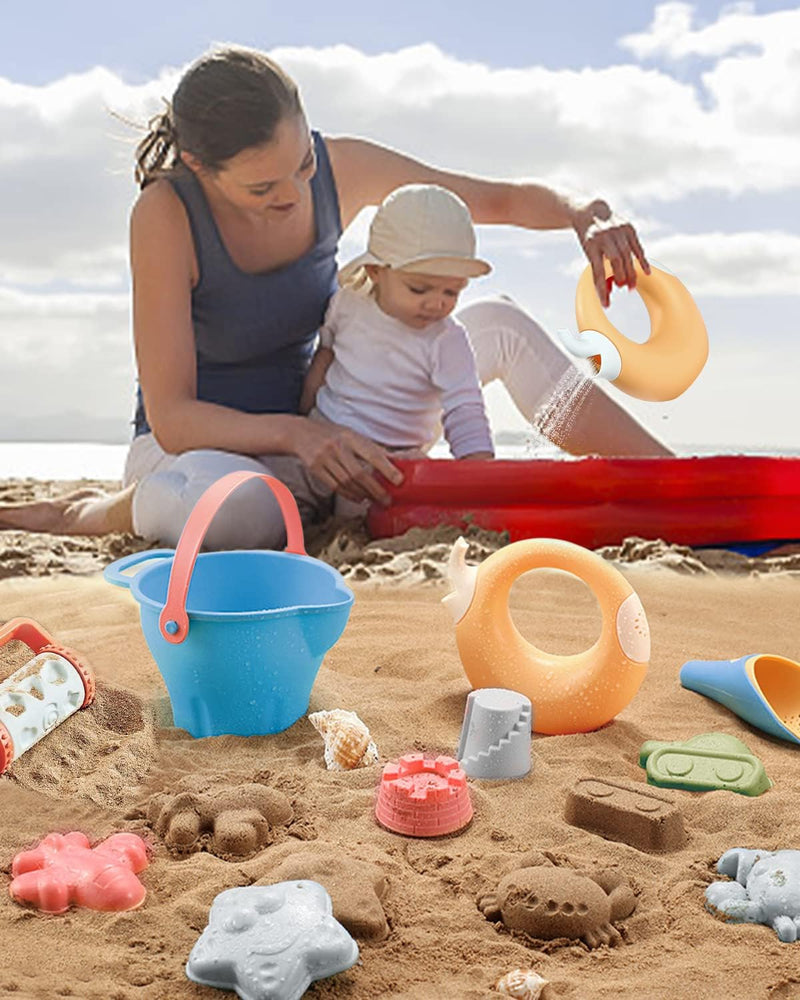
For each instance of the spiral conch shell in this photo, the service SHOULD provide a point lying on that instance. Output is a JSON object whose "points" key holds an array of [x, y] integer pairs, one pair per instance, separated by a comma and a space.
{"points": [[523, 984], [347, 740]]}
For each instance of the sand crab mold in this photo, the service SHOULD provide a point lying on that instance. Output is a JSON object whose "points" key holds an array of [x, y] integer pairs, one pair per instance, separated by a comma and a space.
{"points": [[547, 901]]}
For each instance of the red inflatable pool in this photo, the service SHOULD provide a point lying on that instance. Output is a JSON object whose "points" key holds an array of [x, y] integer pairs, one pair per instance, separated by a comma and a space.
{"points": [[719, 500]]}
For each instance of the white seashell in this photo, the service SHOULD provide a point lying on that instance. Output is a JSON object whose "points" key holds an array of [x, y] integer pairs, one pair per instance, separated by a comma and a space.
{"points": [[347, 739], [523, 984]]}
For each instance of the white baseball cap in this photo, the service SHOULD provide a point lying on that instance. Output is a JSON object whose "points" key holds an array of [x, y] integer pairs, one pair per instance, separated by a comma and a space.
{"points": [[424, 229]]}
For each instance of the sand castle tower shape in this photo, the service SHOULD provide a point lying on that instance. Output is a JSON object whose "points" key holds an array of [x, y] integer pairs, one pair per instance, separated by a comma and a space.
{"points": [[496, 734]]}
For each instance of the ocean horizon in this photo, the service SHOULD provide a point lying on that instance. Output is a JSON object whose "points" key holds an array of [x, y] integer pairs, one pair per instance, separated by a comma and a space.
{"points": [[97, 460]]}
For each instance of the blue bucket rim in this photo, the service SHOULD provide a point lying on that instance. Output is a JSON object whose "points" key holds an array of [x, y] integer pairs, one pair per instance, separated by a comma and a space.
{"points": [[241, 616]]}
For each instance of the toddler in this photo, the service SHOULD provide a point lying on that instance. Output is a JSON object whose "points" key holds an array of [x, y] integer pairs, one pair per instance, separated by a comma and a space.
{"points": [[392, 362]]}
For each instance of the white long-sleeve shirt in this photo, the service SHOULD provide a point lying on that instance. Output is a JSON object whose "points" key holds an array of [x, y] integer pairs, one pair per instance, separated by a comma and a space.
{"points": [[398, 385]]}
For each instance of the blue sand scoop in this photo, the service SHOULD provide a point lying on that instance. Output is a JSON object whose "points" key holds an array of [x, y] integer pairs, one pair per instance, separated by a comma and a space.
{"points": [[763, 690]]}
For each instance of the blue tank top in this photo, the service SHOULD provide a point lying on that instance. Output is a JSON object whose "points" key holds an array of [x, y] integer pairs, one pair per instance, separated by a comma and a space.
{"points": [[254, 333]]}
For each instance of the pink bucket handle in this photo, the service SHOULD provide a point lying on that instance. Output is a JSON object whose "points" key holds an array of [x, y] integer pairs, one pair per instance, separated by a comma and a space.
{"points": [[173, 621]]}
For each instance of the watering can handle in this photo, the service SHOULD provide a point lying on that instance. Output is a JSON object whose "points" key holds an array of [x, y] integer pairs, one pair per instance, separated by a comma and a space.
{"points": [[173, 621]]}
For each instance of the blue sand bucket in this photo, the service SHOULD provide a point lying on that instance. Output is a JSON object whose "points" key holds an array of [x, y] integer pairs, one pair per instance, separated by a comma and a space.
{"points": [[761, 689], [238, 636]]}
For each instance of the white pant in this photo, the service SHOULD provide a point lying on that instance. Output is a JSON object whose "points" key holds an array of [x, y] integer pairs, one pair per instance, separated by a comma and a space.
{"points": [[509, 345]]}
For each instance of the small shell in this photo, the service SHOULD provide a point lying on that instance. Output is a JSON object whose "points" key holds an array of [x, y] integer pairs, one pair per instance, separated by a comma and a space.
{"points": [[347, 740], [523, 984]]}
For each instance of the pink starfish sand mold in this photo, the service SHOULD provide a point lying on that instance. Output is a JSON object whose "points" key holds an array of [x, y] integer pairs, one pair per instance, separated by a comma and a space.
{"points": [[63, 869]]}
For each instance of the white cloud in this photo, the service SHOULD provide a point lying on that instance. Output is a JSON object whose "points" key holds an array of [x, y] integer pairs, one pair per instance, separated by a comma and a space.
{"points": [[66, 176], [103, 267], [672, 33], [666, 34], [754, 83], [65, 352], [21, 305], [733, 265]]}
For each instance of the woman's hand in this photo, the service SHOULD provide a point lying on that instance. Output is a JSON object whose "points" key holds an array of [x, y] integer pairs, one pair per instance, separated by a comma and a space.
{"points": [[604, 234], [344, 460]]}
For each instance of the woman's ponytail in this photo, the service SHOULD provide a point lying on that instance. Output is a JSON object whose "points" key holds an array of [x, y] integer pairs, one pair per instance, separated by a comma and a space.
{"points": [[158, 151]]}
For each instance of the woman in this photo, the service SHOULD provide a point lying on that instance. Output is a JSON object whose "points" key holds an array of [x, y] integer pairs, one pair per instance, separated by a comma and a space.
{"points": [[233, 242]]}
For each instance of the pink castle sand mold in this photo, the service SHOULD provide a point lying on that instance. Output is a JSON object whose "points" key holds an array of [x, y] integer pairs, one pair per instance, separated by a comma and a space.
{"points": [[423, 796]]}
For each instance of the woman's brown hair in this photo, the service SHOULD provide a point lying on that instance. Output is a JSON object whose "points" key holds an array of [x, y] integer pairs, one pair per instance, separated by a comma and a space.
{"points": [[228, 100]]}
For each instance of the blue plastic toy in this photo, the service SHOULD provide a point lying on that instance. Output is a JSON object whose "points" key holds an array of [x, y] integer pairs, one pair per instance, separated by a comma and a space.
{"points": [[270, 942], [238, 636], [765, 890], [763, 690]]}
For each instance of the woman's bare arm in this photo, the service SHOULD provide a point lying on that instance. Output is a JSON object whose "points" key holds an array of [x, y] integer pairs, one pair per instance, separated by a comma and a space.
{"points": [[367, 172]]}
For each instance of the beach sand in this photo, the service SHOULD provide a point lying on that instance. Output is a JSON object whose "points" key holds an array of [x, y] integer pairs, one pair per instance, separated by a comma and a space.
{"points": [[410, 903]]}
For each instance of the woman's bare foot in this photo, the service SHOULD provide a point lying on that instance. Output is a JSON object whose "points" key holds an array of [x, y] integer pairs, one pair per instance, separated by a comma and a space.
{"points": [[83, 512]]}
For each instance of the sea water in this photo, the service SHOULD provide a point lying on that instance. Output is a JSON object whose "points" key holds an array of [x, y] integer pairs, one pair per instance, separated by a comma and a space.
{"points": [[61, 460], [90, 460]]}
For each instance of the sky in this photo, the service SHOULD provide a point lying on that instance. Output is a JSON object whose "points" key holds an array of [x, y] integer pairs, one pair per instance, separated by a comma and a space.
{"points": [[685, 117]]}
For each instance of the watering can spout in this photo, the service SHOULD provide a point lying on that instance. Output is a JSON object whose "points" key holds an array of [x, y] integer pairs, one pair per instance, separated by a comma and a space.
{"points": [[463, 579], [595, 345]]}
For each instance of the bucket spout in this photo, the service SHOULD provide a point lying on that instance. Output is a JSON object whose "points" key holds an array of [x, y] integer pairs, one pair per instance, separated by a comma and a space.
{"points": [[321, 630]]}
